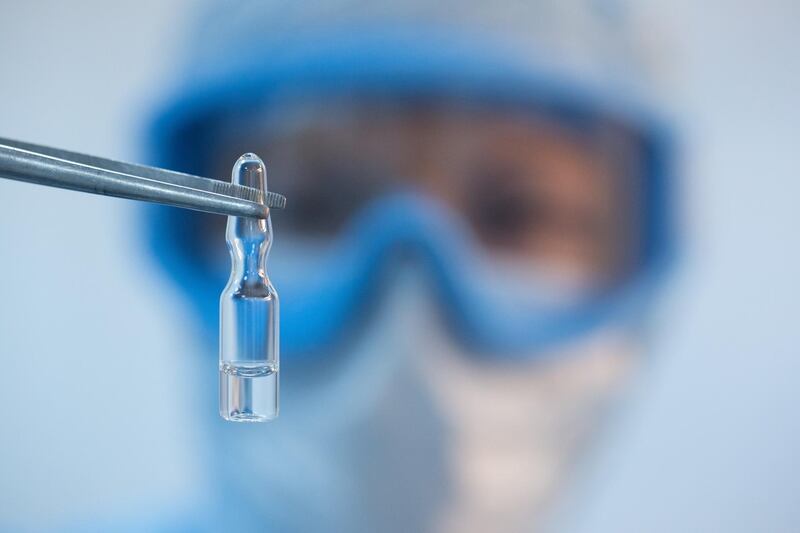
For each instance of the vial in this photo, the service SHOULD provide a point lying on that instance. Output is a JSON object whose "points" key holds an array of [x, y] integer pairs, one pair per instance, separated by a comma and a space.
{"points": [[248, 352]]}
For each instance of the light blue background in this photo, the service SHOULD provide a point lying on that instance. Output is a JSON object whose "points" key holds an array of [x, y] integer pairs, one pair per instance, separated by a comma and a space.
{"points": [[706, 439]]}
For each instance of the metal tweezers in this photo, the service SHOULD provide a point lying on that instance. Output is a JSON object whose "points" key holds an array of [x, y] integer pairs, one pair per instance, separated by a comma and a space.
{"points": [[68, 170]]}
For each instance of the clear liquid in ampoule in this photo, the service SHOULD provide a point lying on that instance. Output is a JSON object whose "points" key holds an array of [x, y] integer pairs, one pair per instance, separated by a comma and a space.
{"points": [[250, 391], [249, 350]]}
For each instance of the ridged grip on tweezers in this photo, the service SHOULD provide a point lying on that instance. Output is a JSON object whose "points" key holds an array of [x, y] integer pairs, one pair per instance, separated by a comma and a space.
{"points": [[272, 200]]}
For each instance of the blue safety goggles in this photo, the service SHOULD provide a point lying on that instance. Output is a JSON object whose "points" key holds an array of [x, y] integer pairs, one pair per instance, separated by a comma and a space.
{"points": [[321, 306], [325, 298]]}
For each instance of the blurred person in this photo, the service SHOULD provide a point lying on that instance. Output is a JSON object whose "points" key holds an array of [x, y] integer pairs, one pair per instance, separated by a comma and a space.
{"points": [[478, 221]]}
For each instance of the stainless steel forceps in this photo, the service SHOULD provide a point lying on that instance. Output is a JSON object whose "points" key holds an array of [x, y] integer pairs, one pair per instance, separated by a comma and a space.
{"points": [[69, 170]]}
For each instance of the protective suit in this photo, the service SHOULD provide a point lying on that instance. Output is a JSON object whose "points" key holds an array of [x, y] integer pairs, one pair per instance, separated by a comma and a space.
{"points": [[478, 219]]}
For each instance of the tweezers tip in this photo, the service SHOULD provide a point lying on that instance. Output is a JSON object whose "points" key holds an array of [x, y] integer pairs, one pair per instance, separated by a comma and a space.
{"points": [[275, 200]]}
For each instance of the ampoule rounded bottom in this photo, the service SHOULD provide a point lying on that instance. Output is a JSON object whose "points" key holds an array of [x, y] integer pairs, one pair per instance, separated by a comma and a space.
{"points": [[248, 391]]}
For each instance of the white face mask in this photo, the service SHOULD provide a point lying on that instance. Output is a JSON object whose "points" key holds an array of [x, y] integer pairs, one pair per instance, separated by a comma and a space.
{"points": [[406, 433]]}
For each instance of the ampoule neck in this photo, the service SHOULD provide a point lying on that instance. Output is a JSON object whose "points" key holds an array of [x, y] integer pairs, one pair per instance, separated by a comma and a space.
{"points": [[249, 239]]}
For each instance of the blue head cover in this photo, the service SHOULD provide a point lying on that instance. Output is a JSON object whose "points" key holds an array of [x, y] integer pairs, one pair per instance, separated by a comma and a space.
{"points": [[255, 56]]}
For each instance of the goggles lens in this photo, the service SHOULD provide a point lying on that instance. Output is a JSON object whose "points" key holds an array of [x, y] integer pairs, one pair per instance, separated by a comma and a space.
{"points": [[533, 206]]}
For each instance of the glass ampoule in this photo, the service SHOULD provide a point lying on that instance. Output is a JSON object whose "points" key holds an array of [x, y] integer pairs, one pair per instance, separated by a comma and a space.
{"points": [[248, 354]]}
